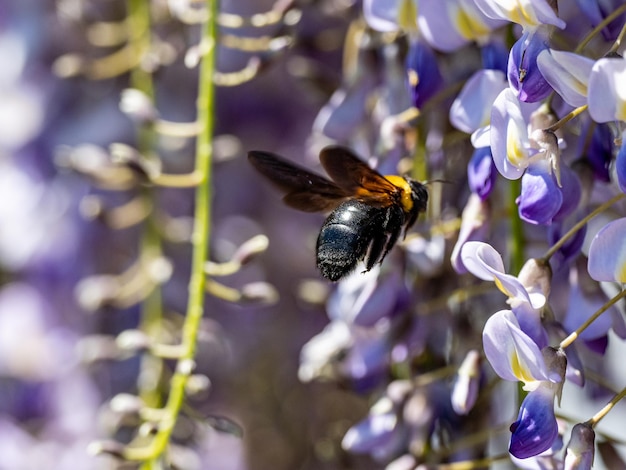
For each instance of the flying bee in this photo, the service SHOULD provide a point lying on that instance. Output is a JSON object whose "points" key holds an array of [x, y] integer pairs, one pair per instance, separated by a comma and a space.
{"points": [[369, 210]]}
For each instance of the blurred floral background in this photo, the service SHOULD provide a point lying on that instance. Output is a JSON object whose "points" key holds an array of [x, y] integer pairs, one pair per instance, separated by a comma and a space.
{"points": [[124, 129]]}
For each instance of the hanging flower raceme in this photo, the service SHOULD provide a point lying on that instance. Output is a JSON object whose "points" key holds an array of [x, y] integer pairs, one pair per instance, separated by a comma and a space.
{"points": [[515, 356]]}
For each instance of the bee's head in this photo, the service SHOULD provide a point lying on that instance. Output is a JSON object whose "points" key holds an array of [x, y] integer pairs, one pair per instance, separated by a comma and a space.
{"points": [[419, 194]]}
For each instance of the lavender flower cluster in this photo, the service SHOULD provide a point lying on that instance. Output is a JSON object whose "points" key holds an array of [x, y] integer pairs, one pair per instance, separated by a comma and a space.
{"points": [[159, 308]]}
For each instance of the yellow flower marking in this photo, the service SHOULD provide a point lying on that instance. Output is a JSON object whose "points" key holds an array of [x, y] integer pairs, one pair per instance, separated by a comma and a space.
{"points": [[620, 272], [407, 15], [520, 15], [519, 371], [515, 153], [468, 26], [501, 288]]}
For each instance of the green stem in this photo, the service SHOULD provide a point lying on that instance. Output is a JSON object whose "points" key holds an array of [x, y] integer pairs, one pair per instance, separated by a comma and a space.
{"points": [[618, 11], [572, 337], [200, 242], [139, 34], [571, 232], [604, 411], [517, 241]]}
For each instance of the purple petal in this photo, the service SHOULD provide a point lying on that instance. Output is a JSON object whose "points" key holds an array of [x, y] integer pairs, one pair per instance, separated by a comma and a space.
{"points": [[495, 56], [481, 259], [523, 73], [424, 76], [620, 165], [381, 15], [571, 192], [571, 248], [607, 253], [607, 90], [474, 224], [376, 431], [482, 173], [567, 73], [437, 27], [472, 107], [541, 197], [529, 320], [510, 143], [536, 428], [600, 152]]}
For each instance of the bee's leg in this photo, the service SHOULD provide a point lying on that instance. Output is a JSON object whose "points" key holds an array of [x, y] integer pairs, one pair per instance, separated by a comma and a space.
{"points": [[393, 228], [378, 245]]}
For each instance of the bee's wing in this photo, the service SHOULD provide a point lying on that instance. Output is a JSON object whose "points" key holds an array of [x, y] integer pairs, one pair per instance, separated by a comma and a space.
{"points": [[304, 190], [356, 177]]}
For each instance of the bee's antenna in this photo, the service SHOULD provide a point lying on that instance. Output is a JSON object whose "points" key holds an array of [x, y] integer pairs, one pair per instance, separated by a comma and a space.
{"points": [[427, 182]]}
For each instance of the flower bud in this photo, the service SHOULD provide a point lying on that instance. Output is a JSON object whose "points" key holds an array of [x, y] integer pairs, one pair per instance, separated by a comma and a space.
{"points": [[465, 389], [138, 106], [536, 276], [125, 403], [580, 449]]}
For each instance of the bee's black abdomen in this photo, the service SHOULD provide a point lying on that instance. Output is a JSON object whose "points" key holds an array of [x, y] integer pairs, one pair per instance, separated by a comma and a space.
{"points": [[345, 238]]}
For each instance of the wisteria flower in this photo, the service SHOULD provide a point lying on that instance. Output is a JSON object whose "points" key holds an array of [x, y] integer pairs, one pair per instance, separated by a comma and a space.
{"points": [[515, 356], [447, 26], [511, 352], [529, 14], [509, 138], [607, 90], [523, 74], [484, 262], [566, 72], [466, 383]]}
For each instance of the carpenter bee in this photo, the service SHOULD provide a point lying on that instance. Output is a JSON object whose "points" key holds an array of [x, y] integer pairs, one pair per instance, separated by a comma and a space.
{"points": [[369, 211]]}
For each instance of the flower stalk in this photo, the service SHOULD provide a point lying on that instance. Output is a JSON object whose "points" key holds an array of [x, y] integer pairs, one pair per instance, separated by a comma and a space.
{"points": [[200, 242]]}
